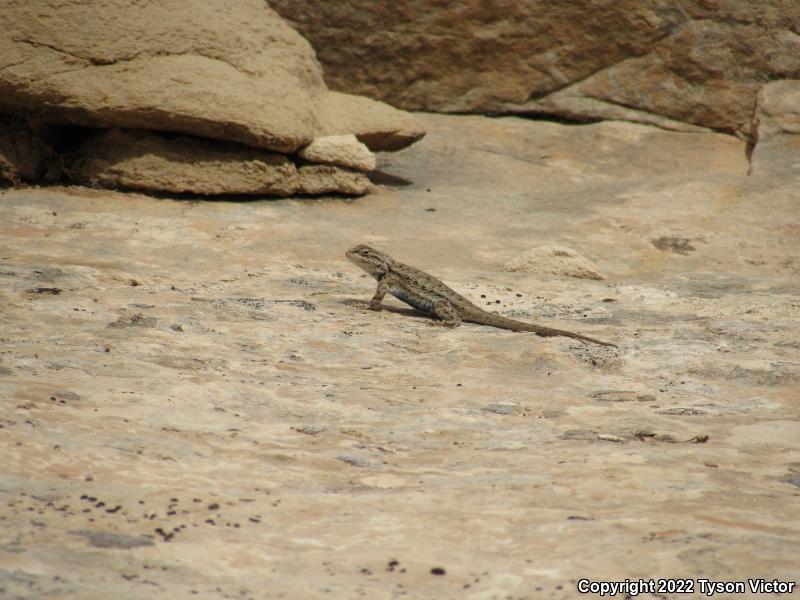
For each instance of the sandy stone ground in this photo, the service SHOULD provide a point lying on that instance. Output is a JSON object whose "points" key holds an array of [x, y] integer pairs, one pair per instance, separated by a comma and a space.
{"points": [[192, 407]]}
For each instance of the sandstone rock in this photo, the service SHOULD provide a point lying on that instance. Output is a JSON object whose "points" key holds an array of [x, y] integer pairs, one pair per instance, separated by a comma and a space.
{"points": [[677, 65], [229, 71], [555, 260], [151, 161], [777, 130], [380, 129], [244, 417], [343, 150], [324, 179], [23, 154]]}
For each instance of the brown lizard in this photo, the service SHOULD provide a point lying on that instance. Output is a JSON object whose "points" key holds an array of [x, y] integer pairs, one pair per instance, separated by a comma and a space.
{"points": [[426, 293]]}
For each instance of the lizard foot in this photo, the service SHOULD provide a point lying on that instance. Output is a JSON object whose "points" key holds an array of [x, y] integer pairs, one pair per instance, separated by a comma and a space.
{"points": [[363, 305], [445, 324]]}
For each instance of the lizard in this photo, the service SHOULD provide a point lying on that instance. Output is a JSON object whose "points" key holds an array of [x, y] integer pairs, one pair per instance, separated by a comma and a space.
{"points": [[431, 296]]}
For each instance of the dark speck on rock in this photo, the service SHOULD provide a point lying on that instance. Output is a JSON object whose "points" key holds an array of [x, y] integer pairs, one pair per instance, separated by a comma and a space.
{"points": [[356, 461], [53, 291], [107, 539], [136, 320], [438, 571], [501, 409], [678, 245]]}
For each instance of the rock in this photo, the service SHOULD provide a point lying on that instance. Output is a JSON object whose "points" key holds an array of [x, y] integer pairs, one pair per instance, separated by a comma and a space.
{"points": [[23, 155], [151, 161], [325, 179], [234, 72], [555, 260], [196, 435], [676, 65], [777, 130], [343, 150], [380, 127]]}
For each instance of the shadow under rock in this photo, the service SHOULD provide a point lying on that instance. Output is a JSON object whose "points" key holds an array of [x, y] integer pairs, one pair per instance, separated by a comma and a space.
{"points": [[387, 179]]}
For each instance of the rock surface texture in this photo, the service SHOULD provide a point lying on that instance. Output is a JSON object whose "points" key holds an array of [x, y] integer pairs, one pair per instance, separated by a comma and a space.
{"points": [[233, 72], [679, 65], [555, 260], [777, 130], [192, 408]]}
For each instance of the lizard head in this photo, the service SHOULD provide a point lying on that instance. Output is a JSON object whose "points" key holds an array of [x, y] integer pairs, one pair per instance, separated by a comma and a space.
{"points": [[372, 261]]}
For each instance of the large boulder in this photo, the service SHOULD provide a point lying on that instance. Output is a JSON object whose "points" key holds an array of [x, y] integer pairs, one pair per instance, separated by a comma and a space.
{"points": [[208, 69], [226, 70], [681, 65]]}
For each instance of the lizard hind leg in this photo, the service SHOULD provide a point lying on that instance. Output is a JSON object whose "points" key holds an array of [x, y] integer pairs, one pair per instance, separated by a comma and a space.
{"points": [[445, 311]]}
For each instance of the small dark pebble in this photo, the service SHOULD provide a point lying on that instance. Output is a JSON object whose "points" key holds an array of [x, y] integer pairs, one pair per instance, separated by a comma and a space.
{"points": [[437, 571], [213, 506]]}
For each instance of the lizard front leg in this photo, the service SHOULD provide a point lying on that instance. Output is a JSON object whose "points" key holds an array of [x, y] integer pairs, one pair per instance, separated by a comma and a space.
{"points": [[375, 303], [445, 310]]}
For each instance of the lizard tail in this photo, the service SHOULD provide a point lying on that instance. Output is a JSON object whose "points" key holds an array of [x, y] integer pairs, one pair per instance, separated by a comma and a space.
{"points": [[504, 323]]}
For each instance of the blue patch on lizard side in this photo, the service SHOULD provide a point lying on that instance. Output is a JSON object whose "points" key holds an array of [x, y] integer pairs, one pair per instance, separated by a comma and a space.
{"points": [[411, 301]]}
